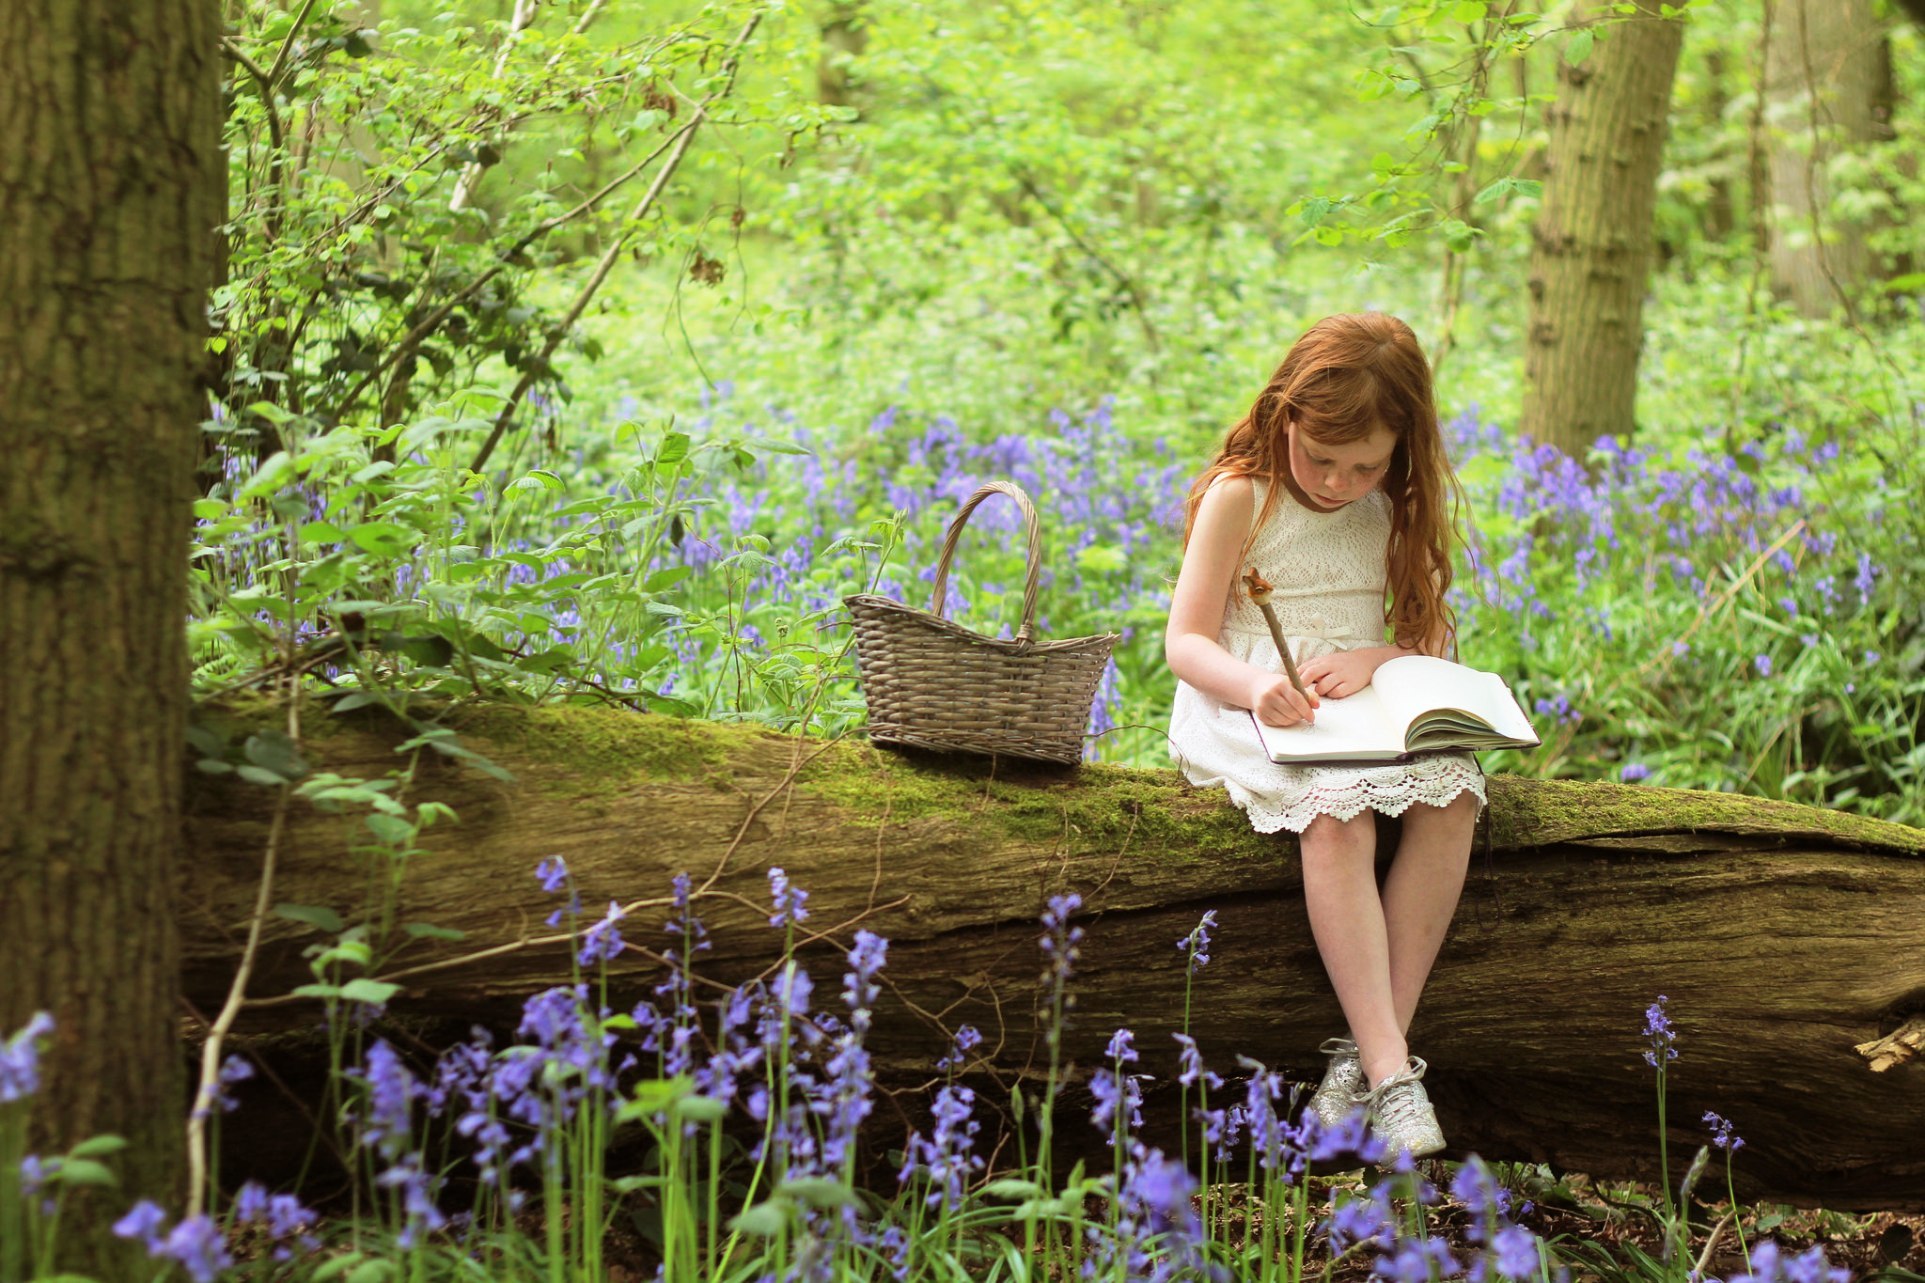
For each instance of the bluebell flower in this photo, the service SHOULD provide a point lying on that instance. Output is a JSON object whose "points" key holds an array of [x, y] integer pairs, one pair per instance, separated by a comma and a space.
{"points": [[1122, 1048], [552, 873], [1192, 1064], [1517, 1253], [1633, 772], [1358, 1220], [1657, 1028], [1763, 664], [1197, 942], [603, 941], [788, 900], [142, 1224], [1723, 1135], [967, 1039], [1417, 1261], [20, 1058]]}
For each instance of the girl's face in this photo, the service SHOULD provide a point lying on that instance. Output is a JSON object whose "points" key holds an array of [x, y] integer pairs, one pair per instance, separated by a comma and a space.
{"points": [[1330, 476]]}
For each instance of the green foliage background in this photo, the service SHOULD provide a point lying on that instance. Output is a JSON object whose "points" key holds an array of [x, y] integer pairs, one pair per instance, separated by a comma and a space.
{"points": [[1078, 234]]}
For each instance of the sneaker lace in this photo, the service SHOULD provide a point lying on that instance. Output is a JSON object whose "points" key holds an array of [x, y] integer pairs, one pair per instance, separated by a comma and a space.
{"points": [[1392, 1105]]}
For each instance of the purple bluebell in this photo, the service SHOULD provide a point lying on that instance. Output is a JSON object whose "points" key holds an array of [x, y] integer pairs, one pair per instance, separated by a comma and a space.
{"points": [[1763, 664], [1662, 1037], [1517, 1253], [1356, 1221], [142, 1224], [1060, 940], [1191, 1061], [1723, 1134], [1633, 772], [603, 941], [420, 1216], [1417, 1261], [20, 1058], [384, 1119], [1197, 942], [788, 900], [967, 1039], [948, 1157], [552, 872]]}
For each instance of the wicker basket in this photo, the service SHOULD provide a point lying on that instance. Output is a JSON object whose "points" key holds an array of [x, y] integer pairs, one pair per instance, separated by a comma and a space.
{"points": [[931, 683]]}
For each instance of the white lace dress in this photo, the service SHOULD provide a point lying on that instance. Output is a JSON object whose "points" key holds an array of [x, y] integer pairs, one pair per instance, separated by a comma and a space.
{"points": [[1327, 572]]}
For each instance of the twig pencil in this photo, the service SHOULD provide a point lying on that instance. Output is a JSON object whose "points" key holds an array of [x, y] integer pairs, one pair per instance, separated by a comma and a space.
{"points": [[1259, 589]]}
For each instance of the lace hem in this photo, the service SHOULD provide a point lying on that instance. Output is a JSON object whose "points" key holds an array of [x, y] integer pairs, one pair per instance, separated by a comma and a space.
{"points": [[1344, 793]]}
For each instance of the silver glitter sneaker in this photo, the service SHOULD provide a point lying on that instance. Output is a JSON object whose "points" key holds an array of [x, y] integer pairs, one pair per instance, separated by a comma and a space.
{"points": [[1336, 1096], [1400, 1113]]}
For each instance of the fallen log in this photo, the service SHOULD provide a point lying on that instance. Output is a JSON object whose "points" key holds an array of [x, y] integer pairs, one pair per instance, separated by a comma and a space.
{"points": [[1789, 940]]}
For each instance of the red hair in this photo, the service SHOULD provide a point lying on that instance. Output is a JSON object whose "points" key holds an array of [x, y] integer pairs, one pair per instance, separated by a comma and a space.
{"points": [[1345, 376]]}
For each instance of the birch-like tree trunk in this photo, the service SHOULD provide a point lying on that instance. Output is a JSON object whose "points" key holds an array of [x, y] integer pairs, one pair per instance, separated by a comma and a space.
{"points": [[111, 187], [1591, 246]]}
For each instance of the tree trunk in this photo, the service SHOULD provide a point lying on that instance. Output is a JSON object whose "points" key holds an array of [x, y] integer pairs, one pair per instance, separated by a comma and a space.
{"points": [[1784, 936], [1591, 247], [111, 182], [1829, 68]]}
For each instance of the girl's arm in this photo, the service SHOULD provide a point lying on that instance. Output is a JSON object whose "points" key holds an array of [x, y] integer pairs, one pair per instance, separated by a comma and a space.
{"points": [[1196, 613]]}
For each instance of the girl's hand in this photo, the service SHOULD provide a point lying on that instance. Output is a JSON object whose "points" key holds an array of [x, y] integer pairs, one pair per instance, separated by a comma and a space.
{"points": [[1277, 703], [1343, 672]]}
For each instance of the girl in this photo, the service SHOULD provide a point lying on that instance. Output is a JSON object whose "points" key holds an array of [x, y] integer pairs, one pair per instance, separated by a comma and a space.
{"points": [[1336, 489]]}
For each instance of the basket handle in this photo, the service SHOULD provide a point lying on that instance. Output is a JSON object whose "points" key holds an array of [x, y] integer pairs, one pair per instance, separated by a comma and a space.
{"points": [[1033, 531]]}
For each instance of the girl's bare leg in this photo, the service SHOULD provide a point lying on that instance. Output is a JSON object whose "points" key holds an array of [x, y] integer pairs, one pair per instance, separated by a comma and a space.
{"points": [[1347, 919], [1421, 893]]}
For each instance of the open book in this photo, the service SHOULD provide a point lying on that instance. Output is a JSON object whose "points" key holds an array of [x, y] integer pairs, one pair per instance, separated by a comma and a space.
{"points": [[1414, 704]]}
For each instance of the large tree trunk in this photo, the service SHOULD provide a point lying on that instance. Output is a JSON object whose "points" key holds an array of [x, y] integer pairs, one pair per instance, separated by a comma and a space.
{"points": [[1784, 936], [111, 187], [1829, 83], [1591, 246]]}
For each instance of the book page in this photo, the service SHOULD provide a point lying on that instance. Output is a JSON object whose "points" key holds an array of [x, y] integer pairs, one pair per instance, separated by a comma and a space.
{"points": [[1354, 728], [1413, 685]]}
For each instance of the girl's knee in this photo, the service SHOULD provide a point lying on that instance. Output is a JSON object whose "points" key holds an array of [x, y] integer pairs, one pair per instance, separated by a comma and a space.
{"points": [[1327, 835]]}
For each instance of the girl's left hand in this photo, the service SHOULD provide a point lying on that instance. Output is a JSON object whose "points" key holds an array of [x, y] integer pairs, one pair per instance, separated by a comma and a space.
{"points": [[1340, 673]]}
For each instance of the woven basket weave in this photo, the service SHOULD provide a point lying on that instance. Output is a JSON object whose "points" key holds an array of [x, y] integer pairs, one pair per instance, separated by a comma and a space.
{"points": [[931, 683]]}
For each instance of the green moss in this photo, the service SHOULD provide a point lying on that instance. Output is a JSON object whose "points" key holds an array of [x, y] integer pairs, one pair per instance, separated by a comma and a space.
{"points": [[1530, 813], [1093, 806], [589, 745]]}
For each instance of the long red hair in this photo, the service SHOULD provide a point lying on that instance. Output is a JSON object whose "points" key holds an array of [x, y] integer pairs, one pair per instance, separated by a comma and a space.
{"points": [[1345, 376]]}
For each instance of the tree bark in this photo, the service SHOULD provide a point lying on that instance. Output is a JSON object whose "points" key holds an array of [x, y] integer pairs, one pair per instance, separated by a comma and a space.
{"points": [[1784, 936], [1828, 81], [1591, 246], [111, 186]]}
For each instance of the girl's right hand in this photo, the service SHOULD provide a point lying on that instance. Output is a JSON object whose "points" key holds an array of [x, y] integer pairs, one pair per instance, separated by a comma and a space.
{"points": [[1275, 702]]}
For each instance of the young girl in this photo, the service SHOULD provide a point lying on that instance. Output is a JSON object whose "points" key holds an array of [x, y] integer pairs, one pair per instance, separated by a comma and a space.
{"points": [[1336, 489]]}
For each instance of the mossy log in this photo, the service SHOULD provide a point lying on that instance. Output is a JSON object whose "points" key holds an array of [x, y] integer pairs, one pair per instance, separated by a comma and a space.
{"points": [[1785, 937]]}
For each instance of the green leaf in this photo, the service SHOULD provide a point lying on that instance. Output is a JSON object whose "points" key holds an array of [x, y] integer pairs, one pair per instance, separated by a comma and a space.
{"points": [[1014, 1187], [333, 1269], [84, 1171], [384, 538], [371, 1271], [1579, 46], [390, 829], [700, 1109], [821, 1192], [674, 448], [429, 931], [98, 1146], [315, 915], [258, 775], [764, 1220], [373, 992], [272, 750], [1468, 11]]}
